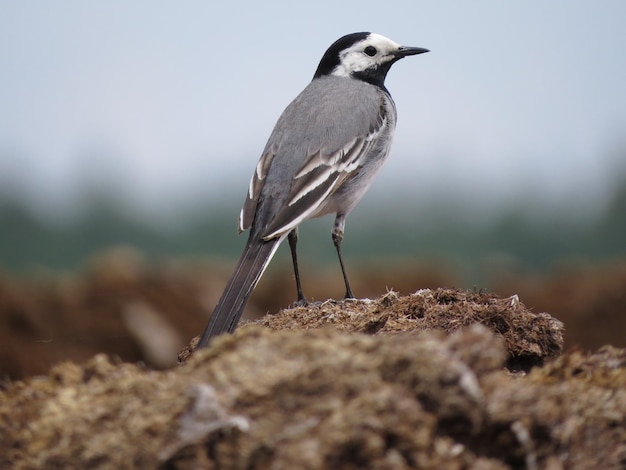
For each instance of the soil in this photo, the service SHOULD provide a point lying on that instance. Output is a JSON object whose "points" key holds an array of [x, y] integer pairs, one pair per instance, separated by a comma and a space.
{"points": [[433, 378]]}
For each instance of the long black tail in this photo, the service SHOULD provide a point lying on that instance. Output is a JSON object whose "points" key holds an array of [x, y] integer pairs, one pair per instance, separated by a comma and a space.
{"points": [[250, 267]]}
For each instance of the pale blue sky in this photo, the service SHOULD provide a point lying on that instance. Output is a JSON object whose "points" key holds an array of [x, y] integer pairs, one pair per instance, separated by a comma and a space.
{"points": [[169, 103]]}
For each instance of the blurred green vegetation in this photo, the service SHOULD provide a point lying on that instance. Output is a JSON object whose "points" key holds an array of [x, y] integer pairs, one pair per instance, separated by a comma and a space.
{"points": [[512, 239]]}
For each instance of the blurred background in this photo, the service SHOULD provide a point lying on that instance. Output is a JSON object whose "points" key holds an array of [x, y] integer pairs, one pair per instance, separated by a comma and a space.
{"points": [[129, 132]]}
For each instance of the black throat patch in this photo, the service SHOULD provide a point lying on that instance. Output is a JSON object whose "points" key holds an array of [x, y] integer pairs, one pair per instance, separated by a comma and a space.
{"points": [[375, 75]]}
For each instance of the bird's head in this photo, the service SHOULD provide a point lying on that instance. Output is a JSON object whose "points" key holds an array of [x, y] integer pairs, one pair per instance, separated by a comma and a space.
{"points": [[364, 56]]}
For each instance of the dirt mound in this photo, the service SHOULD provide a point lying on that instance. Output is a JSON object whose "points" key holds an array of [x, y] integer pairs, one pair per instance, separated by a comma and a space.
{"points": [[350, 384], [324, 399], [529, 337], [397, 382]]}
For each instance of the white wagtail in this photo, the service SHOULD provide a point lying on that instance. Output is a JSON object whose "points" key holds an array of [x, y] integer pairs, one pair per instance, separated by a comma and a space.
{"points": [[322, 156]]}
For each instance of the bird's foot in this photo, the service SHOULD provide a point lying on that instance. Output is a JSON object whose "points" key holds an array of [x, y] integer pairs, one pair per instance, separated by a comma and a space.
{"points": [[349, 296], [302, 302]]}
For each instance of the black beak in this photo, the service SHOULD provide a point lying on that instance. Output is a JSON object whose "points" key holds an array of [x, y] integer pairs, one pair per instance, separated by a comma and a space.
{"points": [[405, 51]]}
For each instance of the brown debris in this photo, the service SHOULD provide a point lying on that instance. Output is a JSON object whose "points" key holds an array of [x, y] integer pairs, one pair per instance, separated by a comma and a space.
{"points": [[395, 382], [324, 399], [530, 338]]}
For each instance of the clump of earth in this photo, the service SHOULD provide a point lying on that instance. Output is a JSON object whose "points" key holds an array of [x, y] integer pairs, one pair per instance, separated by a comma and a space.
{"points": [[440, 378]]}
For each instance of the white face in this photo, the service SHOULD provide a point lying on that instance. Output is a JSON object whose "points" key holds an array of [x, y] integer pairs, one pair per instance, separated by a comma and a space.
{"points": [[358, 57]]}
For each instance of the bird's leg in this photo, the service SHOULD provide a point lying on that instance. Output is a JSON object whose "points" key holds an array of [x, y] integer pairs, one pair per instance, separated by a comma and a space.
{"points": [[340, 223], [293, 241]]}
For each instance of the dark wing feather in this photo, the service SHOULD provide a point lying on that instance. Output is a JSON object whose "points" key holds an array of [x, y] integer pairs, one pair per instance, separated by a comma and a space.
{"points": [[246, 216]]}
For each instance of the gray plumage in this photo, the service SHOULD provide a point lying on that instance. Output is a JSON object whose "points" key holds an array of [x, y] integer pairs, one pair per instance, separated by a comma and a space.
{"points": [[332, 151], [322, 156]]}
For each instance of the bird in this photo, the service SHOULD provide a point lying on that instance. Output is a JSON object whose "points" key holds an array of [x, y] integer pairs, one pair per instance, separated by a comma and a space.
{"points": [[321, 157]]}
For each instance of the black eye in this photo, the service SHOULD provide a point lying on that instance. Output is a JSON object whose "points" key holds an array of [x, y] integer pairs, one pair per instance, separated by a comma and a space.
{"points": [[370, 51]]}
